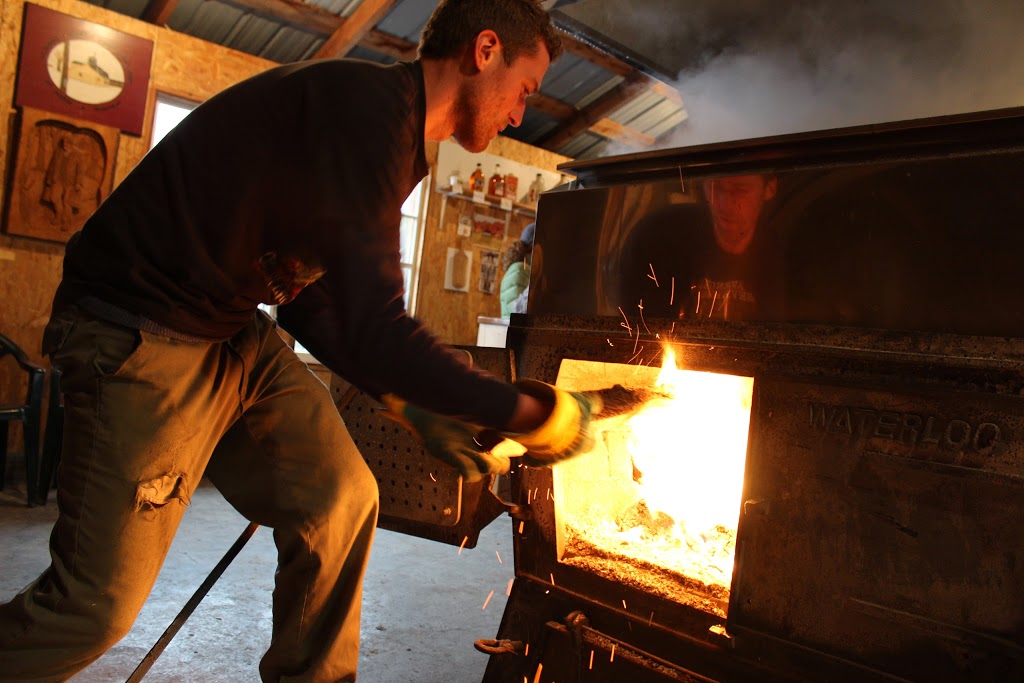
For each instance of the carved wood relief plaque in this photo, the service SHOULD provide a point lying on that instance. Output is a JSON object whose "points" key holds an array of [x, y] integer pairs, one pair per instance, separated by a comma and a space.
{"points": [[64, 169]]}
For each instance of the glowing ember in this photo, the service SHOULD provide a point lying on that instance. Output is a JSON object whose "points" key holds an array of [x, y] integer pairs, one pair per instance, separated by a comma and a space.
{"points": [[662, 488]]}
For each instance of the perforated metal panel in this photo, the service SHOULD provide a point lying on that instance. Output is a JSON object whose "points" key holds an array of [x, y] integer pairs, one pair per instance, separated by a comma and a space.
{"points": [[413, 485], [419, 494]]}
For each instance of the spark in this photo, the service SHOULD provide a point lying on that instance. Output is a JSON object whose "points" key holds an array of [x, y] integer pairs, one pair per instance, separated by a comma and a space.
{"points": [[653, 276], [591, 659], [521, 524], [432, 477], [713, 300], [698, 303], [490, 595], [463, 545], [636, 341], [672, 296], [641, 307], [552, 575], [536, 676], [624, 604], [609, 342], [508, 591], [635, 356], [626, 322], [613, 653], [682, 184], [651, 620], [526, 653], [499, 557]]}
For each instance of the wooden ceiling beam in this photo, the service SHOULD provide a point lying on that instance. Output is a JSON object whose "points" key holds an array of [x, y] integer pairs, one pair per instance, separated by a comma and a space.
{"points": [[613, 130], [159, 11], [575, 46], [553, 107], [354, 28], [296, 14], [393, 46], [586, 118]]}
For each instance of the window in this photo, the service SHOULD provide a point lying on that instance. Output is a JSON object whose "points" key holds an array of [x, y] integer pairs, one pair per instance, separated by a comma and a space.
{"points": [[412, 240], [168, 113]]}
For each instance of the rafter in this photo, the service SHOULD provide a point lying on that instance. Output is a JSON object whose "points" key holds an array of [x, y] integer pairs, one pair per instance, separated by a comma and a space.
{"points": [[294, 13], [606, 61], [352, 30], [598, 110], [159, 11]]}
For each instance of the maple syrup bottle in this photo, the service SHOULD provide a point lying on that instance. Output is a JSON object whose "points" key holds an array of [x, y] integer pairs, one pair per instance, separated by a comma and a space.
{"points": [[511, 186], [497, 184], [476, 181]]}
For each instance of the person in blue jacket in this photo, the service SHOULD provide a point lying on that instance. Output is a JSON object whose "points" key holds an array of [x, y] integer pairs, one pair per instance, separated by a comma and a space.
{"points": [[516, 281]]}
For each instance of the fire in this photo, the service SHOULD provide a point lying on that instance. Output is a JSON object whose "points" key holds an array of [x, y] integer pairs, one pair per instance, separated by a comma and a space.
{"points": [[662, 488], [689, 453]]}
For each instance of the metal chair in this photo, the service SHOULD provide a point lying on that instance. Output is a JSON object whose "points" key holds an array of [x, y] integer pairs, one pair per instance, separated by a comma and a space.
{"points": [[28, 413]]}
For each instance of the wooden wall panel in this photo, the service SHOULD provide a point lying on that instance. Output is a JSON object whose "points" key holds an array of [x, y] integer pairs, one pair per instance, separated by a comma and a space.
{"points": [[452, 316]]}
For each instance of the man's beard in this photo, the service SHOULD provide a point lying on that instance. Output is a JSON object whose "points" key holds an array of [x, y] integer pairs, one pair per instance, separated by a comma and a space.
{"points": [[470, 131]]}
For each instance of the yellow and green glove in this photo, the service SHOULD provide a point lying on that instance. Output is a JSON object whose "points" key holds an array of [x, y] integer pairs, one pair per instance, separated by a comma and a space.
{"points": [[471, 449], [567, 430], [460, 444]]}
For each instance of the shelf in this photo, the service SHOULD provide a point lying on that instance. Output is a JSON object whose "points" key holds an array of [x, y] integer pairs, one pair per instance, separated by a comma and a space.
{"points": [[493, 202]]}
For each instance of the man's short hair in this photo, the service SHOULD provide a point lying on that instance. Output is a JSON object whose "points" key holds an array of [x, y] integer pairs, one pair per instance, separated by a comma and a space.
{"points": [[519, 25]]}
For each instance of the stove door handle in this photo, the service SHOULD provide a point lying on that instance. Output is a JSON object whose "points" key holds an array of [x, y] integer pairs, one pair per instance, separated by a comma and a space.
{"points": [[491, 646]]}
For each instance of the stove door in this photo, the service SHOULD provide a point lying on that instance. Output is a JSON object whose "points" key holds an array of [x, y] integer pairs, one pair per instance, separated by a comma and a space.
{"points": [[420, 495]]}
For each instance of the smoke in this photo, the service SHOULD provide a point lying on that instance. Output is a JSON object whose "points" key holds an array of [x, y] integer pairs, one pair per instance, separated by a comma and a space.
{"points": [[792, 67]]}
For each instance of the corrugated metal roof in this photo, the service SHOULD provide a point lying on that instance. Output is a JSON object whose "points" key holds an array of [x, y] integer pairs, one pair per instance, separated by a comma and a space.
{"points": [[571, 80]]}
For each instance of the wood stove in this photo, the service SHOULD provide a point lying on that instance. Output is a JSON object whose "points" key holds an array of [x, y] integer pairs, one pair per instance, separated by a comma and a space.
{"points": [[866, 306]]}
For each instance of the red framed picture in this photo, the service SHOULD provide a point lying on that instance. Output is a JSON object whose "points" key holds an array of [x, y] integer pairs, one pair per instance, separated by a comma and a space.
{"points": [[84, 70]]}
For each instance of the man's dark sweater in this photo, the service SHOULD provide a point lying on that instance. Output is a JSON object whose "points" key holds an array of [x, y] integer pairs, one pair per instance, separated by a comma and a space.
{"points": [[284, 189]]}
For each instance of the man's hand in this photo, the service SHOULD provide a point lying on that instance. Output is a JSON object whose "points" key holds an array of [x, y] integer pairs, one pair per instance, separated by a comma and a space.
{"points": [[457, 443], [566, 430]]}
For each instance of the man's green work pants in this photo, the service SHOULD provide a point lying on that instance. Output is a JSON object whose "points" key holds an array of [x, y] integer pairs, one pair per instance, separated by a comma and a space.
{"points": [[145, 417]]}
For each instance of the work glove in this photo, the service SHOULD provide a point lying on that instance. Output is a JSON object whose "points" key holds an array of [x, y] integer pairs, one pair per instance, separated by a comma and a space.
{"points": [[460, 444], [567, 430]]}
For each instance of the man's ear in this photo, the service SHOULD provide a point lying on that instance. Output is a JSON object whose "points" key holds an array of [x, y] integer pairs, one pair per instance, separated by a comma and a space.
{"points": [[486, 49]]}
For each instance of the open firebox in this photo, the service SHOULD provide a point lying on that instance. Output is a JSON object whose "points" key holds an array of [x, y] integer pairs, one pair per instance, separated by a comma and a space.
{"points": [[828, 482]]}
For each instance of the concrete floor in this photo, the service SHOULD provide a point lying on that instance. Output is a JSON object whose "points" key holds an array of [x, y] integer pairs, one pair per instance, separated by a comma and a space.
{"points": [[422, 605]]}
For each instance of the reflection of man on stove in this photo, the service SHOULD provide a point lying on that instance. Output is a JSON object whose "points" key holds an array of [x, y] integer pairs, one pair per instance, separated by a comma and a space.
{"points": [[736, 204], [682, 267]]}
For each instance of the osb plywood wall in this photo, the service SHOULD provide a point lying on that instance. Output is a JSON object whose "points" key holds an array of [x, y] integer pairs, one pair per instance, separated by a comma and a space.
{"points": [[452, 315]]}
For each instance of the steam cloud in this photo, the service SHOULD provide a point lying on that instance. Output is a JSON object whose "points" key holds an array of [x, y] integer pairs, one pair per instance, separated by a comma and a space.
{"points": [[793, 67]]}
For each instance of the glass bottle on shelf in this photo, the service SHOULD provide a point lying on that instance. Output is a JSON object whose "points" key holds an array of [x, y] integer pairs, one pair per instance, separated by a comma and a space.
{"points": [[511, 186], [496, 187], [476, 181], [536, 187], [455, 181]]}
